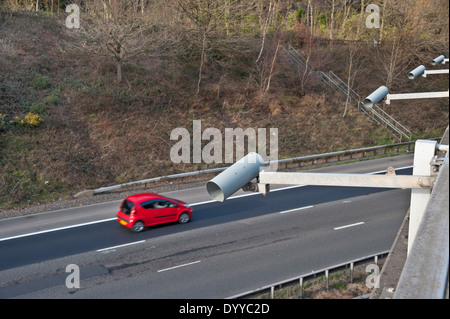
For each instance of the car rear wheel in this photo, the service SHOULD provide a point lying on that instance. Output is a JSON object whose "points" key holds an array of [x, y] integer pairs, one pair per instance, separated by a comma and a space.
{"points": [[184, 218], [138, 227]]}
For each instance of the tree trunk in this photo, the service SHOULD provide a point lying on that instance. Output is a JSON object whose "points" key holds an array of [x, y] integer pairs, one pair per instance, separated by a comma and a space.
{"points": [[226, 18], [332, 20], [307, 13], [361, 18], [382, 22], [348, 83], [264, 32], [119, 71], [273, 64], [202, 57]]}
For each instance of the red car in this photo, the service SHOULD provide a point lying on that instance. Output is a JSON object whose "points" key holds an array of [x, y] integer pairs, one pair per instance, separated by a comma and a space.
{"points": [[141, 210]]}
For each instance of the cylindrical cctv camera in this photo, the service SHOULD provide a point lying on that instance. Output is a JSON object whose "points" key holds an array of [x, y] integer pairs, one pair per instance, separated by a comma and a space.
{"points": [[377, 96], [416, 72], [438, 60], [235, 177]]}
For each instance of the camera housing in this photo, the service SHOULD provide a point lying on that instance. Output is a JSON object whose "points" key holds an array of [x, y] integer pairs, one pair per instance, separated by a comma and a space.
{"points": [[377, 96], [416, 72], [438, 60], [235, 177]]}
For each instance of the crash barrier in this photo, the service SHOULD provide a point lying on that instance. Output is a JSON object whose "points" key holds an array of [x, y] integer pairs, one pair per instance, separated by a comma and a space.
{"points": [[300, 280], [295, 162]]}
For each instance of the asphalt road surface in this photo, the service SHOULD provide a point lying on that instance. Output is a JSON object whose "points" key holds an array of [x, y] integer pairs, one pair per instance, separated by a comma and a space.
{"points": [[228, 248]]}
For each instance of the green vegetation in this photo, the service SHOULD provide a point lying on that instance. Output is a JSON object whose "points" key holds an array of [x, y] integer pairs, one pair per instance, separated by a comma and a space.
{"points": [[40, 82]]}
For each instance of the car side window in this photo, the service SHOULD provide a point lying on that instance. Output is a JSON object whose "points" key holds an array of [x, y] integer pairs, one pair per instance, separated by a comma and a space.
{"points": [[148, 204], [161, 204], [157, 203]]}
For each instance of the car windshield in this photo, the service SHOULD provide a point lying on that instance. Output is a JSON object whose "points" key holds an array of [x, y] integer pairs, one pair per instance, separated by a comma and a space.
{"points": [[126, 207]]}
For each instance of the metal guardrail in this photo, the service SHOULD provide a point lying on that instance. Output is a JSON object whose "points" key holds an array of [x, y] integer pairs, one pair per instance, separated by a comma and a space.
{"points": [[271, 287], [340, 155], [158, 179], [376, 113]]}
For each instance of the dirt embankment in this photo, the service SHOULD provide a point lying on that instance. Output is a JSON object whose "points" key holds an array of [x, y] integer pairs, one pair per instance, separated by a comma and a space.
{"points": [[88, 131]]}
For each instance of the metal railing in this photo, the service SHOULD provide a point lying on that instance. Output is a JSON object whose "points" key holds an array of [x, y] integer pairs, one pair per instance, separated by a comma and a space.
{"points": [[347, 153], [380, 116], [333, 157], [158, 179], [376, 113], [300, 279]]}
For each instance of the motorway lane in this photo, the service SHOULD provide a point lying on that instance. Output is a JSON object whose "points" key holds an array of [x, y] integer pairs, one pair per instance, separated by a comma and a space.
{"points": [[103, 211], [302, 249], [219, 226], [233, 257], [37, 248]]}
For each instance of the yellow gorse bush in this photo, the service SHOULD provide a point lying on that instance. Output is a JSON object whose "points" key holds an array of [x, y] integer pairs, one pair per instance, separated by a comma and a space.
{"points": [[29, 120], [32, 119]]}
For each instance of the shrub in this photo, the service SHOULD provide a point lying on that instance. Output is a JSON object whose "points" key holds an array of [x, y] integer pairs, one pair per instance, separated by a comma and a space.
{"points": [[32, 120], [38, 108], [40, 82], [52, 99], [2, 121]]}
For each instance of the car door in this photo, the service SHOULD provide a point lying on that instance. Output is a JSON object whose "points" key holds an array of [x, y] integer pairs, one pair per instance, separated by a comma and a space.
{"points": [[147, 212], [164, 211]]}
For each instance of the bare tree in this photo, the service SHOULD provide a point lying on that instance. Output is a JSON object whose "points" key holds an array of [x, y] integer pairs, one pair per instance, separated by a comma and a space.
{"points": [[410, 31], [265, 69], [355, 63], [118, 29], [264, 31], [306, 40], [204, 17], [212, 25], [332, 22]]}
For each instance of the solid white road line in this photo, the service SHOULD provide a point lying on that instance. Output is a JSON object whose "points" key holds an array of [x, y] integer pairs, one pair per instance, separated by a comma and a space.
{"points": [[118, 246], [183, 265], [295, 209], [347, 226], [56, 229]]}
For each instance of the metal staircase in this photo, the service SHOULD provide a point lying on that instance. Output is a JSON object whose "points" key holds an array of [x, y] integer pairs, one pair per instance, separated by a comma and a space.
{"points": [[375, 113]]}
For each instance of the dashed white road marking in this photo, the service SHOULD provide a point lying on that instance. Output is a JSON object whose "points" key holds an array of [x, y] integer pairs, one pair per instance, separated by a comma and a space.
{"points": [[295, 209], [123, 245], [194, 204], [179, 266], [347, 226]]}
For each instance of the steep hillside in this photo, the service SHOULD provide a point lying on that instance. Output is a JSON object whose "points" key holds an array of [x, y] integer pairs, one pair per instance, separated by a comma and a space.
{"points": [[66, 125]]}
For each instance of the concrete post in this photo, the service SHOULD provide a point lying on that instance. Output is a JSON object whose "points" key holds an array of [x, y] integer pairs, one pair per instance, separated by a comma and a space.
{"points": [[423, 154]]}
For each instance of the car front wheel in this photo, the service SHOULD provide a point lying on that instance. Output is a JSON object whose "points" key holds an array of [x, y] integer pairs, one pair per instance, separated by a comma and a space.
{"points": [[138, 227], [184, 218]]}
